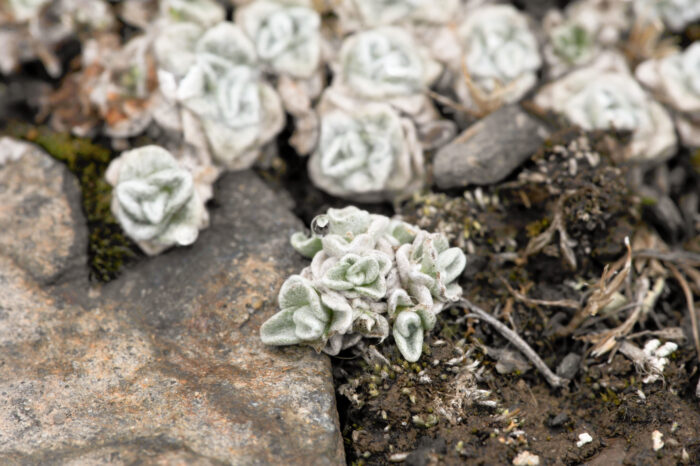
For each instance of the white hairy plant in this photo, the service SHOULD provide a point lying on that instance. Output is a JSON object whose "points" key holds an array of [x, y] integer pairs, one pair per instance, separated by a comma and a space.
{"points": [[286, 34], [123, 93], [500, 56], [24, 10], [570, 43], [386, 65], [214, 76], [205, 13], [377, 268], [366, 152], [605, 96], [675, 80], [154, 199], [362, 14], [33, 29], [676, 14]]}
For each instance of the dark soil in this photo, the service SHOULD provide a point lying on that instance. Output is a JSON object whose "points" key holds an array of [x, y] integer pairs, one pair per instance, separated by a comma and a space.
{"points": [[432, 412]]}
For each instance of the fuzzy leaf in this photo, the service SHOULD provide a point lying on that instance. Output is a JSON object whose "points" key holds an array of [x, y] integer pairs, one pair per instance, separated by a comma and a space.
{"points": [[302, 317], [408, 335], [307, 246]]}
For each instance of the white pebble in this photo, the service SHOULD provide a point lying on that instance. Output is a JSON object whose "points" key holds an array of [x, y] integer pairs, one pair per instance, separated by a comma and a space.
{"points": [[583, 439], [525, 458], [657, 443]]}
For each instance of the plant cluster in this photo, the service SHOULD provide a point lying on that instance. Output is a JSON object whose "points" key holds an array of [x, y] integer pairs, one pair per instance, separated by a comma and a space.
{"points": [[365, 85], [366, 272]]}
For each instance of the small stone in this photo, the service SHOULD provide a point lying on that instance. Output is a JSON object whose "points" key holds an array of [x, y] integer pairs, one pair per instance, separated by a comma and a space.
{"points": [[398, 457], [490, 149], [525, 458], [568, 367], [559, 420]]}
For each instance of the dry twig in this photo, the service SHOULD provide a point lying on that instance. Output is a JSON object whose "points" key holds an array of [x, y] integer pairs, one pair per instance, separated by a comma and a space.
{"points": [[689, 301], [566, 303], [478, 313]]}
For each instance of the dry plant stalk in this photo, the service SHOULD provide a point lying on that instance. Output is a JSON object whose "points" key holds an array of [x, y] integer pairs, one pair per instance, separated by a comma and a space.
{"points": [[522, 346], [610, 282], [689, 301], [566, 303], [566, 244], [645, 41], [644, 302], [485, 102]]}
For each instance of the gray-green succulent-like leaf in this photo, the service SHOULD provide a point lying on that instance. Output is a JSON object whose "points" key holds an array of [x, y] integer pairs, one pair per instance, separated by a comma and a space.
{"points": [[306, 316], [363, 14], [305, 245], [676, 14], [343, 222], [409, 328], [675, 80], [359, 276], [341, 313], [302, 318], [368, 272]]}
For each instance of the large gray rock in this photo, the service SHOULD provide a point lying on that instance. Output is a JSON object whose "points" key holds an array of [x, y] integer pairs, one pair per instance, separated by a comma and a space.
{"points": [[41, 224], [165, 365], [490, 149]]}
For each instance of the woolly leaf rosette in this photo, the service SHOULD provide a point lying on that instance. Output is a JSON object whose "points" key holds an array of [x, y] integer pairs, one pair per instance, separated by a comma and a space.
{"points": [[154, 199], [383, 64], [428, 269], [675, 80], [216, 80], [387, 65], [676, 14], [366, 152], [286, 35], [605, 96], [500, 56], [383, 269]]}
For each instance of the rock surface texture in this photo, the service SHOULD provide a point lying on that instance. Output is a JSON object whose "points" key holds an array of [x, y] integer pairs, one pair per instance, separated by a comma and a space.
{"points": [[489, 150], [165, 364]]}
